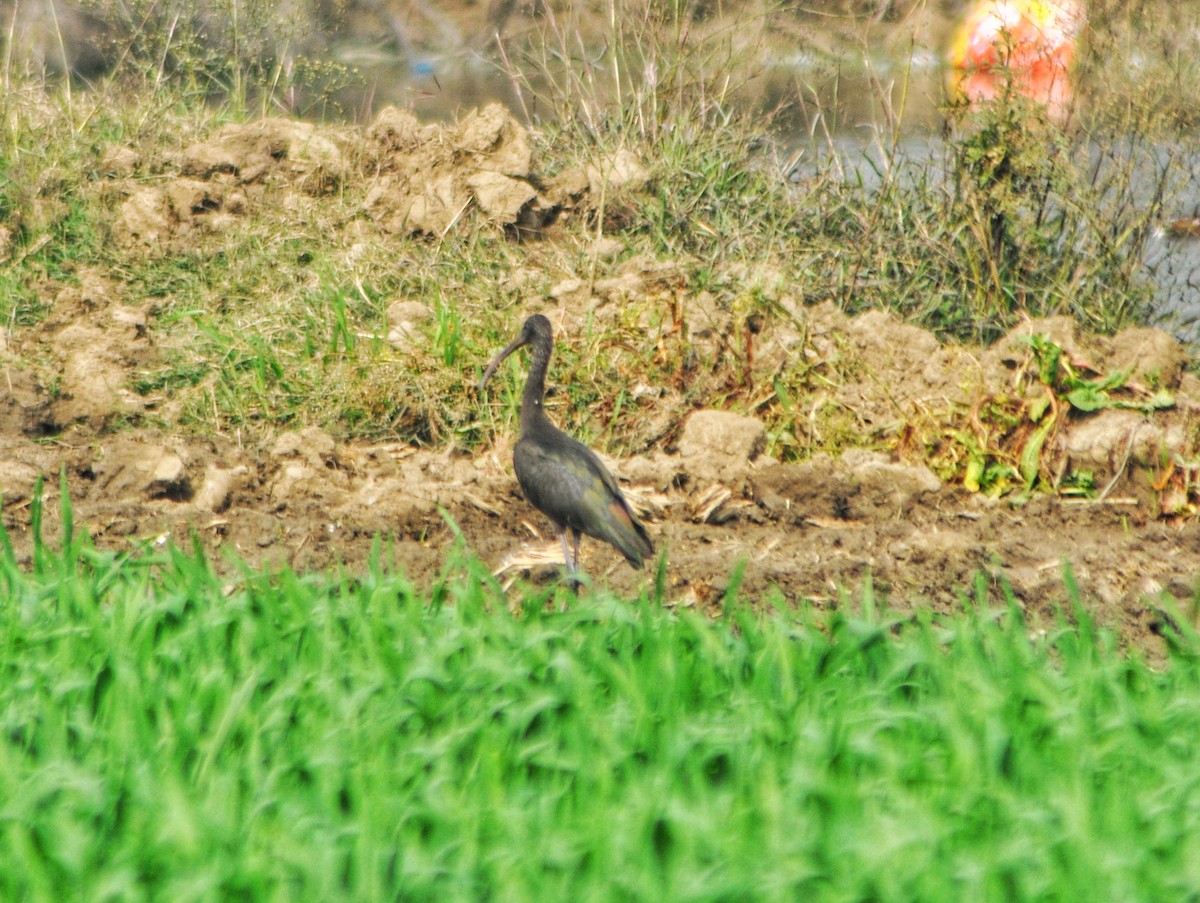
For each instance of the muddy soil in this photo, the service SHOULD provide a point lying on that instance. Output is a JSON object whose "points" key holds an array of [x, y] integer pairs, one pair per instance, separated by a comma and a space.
{"points": [[801, 534], [807, 534]]}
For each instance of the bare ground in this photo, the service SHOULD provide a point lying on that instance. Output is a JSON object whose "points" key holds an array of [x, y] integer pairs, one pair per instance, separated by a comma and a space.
{"points": [[808, 534]]}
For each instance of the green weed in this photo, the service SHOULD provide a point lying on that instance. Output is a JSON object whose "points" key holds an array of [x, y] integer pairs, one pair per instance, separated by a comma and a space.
{"points": [[1003, 446]]}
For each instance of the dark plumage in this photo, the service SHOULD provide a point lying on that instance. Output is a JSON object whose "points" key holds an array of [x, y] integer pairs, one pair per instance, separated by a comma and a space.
{"points": [[561, 477]]}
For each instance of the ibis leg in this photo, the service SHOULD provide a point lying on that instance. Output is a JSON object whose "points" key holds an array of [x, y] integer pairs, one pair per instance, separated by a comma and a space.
{"points": [[562, 535], [575, 536]]}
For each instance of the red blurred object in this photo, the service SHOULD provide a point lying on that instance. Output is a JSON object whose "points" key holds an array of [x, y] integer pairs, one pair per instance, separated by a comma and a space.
{"points": [[1023, 46]]}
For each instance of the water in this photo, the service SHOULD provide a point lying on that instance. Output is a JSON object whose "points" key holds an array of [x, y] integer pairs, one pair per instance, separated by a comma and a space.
{"points": [[436, 89], [1171, 259]]}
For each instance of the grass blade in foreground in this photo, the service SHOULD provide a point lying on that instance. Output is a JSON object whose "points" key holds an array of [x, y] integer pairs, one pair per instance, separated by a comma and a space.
{"points": [[314, 738]]}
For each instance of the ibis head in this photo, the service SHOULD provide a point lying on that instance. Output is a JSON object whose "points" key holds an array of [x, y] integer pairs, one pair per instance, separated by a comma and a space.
{"points": [[536, 332]]}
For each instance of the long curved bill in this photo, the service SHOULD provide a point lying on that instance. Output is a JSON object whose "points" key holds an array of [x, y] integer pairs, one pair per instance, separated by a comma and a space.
{"points": [[499, 359]]}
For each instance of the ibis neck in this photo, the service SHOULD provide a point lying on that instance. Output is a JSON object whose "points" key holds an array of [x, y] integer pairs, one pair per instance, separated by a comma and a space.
{"points": [[535, 387]]}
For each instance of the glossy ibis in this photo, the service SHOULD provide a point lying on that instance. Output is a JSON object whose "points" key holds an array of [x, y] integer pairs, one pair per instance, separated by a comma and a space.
{"points": [[561, 477]]}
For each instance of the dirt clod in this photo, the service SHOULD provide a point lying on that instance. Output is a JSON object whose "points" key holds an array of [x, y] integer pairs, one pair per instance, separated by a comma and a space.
{"points": [[720, 445], [295, 150], [405, 319], [622, 171], [429, 177], [129, 468]]}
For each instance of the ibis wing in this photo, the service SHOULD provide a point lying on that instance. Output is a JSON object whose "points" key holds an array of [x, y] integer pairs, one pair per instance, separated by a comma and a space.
{"points": [[566, 481], [559, 482], [634, 541]]}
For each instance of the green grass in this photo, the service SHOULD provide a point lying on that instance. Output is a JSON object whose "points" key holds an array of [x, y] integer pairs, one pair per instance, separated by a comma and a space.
{"points": [[170, 733]]}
